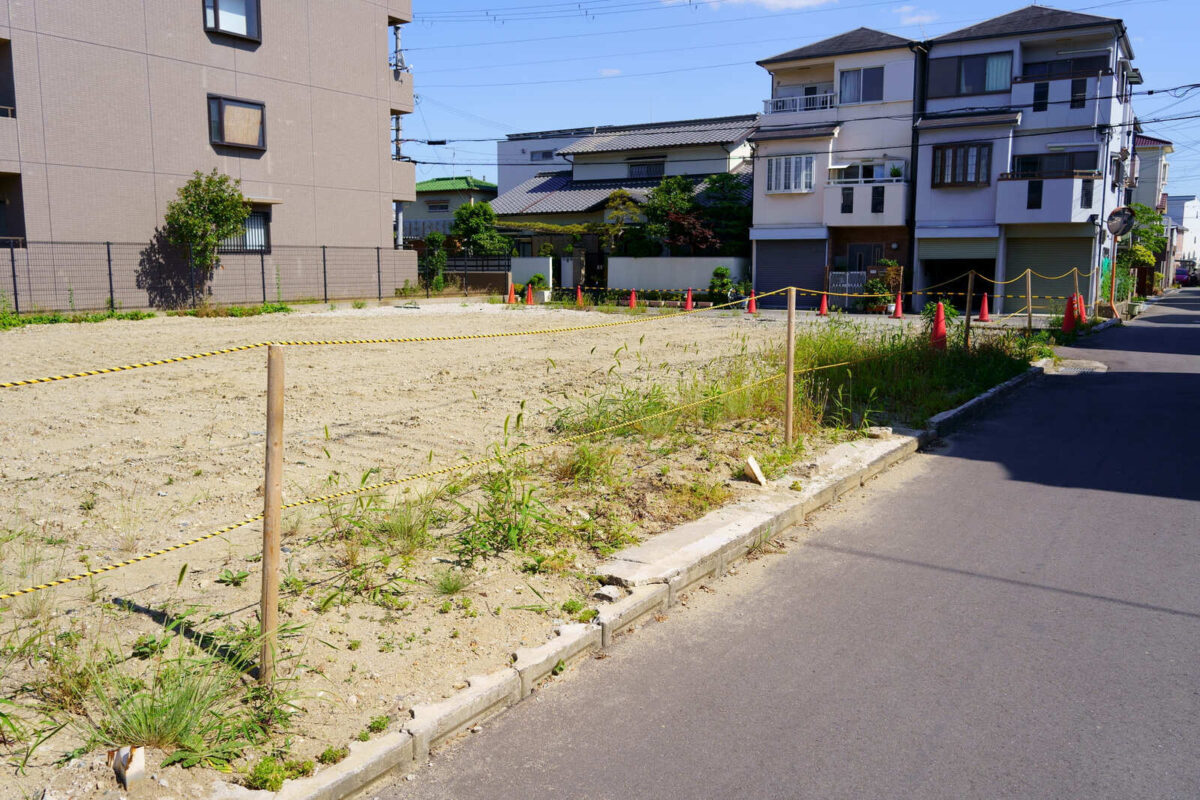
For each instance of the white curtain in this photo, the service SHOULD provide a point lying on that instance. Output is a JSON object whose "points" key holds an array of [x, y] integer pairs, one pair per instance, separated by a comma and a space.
{"points": [[999, 72], [233, 16]]}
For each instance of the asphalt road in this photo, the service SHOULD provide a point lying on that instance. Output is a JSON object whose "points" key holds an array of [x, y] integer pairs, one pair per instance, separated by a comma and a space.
{"points": [[1013, 614]]}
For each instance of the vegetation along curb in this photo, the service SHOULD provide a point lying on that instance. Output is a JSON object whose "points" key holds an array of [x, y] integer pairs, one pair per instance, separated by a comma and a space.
{"points": [[648, 578]]}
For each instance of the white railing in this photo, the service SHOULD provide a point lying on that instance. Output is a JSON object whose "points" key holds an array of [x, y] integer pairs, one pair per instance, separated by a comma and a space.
{"points": [[863, 181], [812, 102]]}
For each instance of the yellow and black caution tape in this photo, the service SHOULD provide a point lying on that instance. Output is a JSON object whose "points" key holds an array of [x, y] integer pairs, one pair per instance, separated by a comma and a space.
{"points": [[397, 340], [433, 473]]}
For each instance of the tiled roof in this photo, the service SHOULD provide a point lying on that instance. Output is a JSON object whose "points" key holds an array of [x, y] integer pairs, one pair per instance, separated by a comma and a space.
{"points": [[718, 130], [464, 183], [1026, 20], [972, 119], [859, 40], [557, 193], [1142, 140], [796, 132]]}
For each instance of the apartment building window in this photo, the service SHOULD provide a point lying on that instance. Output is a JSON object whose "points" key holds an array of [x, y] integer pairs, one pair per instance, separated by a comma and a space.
{"points": [[438, 207], [254, 238], [1041, 96], [790, 173], [877, 193], [237, 123], [967, 75], [648, 169], [861, 86], [541, 155], [397, 136], [847, 200], [1087, 188], [233, 17], [962, 165], [1033, 195], [1078, 92], [1118, 173]]}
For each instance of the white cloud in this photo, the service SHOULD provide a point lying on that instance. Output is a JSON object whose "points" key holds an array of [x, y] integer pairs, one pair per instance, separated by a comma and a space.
{"points": [[911, 15], [609, 72]]}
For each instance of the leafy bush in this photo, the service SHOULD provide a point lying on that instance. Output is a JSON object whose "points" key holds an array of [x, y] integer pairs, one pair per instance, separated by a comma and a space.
{"points": [[720, 288], [537, 280]]}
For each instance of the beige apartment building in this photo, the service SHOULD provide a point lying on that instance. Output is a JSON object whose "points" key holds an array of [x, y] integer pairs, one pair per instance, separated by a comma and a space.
{"points": [[107, 108]]}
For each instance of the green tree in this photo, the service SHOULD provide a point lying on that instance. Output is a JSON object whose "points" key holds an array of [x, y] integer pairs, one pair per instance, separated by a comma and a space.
{"points": [[1147, 237], [433, 262], [674, 195], [208, 209], [620, 212], [475, 229], [725, 210]]}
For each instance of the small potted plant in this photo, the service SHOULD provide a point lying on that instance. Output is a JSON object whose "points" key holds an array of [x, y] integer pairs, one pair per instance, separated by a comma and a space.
{"points": [[877, 303], [896, 172]]}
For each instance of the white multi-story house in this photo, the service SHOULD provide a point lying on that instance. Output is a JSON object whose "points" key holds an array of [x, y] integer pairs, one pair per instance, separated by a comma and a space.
{"points": [[832, 161], [522, 156], [1025, 126], [1151, 190], [1184, 211]]}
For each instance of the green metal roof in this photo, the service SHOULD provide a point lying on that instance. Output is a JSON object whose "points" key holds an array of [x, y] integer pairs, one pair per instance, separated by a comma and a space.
{"points": [[464, 183]]}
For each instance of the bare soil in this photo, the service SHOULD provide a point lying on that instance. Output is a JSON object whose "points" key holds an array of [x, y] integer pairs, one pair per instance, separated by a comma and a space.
{"points": [[95, 470]]}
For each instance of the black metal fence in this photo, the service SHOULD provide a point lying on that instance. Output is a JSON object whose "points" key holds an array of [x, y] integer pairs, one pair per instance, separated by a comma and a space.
{"points": [[87, 276]]}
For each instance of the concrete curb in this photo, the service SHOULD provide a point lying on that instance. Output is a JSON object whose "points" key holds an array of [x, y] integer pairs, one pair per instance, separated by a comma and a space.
{"points": [[655, 573]]}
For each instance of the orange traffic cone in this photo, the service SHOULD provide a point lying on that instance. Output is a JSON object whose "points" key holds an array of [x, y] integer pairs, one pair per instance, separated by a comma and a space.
{"points": [[937, 336], [633, 298], [1068, 323], [1082, 314], [579, 296], [823, 311], [899, 312], [752, 304], [983, 310], [687, 304], [512, 294], [529, 294]]}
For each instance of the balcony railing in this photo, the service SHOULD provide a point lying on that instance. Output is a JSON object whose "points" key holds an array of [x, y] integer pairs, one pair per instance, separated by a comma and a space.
{"points": [[1047, 175], [1061, 76], [858, 181], [789, 105]]}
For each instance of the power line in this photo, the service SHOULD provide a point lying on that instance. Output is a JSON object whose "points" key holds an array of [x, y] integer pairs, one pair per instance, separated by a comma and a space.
{"points": [[903, 146], [1189, 87]]}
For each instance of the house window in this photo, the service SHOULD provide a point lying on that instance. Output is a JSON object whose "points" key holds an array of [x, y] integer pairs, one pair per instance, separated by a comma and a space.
{"points": [[1041, 96], [234, 17], [1033, 195], [1118, 173], [438, 206], [648, 169], [254, 238], [861, 86], [967, 75], [847, 200], [790, 173], [877, 199], [1065, 67], [541, 155], [962, 165], [1087, 189], [1054, 165], [1078, 92], [237, 123]]}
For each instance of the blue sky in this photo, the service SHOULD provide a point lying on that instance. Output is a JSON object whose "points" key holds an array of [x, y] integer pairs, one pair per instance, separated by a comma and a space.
{"points": [[483, 69]]}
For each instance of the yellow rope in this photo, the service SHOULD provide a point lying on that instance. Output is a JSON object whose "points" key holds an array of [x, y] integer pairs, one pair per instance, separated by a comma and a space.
{"points": [[401, 340], [410, 478]]}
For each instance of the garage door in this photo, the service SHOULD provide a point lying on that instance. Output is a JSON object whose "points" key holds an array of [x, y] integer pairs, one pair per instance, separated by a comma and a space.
{"points": [[789, 262], [1048, 257]]}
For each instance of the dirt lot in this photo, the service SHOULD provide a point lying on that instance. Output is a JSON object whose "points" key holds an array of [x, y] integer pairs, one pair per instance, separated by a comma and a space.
{"points": [[97, 469]]}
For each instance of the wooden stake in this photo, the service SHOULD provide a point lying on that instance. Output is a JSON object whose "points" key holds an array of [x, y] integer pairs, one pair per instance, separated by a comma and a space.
{"points": [[967, 325], [272, 514], [1076, 272], [1029, 302], [789, 399]]}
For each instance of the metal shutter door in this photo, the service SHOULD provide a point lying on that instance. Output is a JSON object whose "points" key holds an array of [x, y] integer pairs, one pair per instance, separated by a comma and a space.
{"points": [[956, 248], [790, 262], [1048, 257]]}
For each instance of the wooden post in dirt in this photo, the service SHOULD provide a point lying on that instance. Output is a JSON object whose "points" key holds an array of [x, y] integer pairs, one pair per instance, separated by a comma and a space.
{"points": [[789, 397], [1029, 302], [967, 323], [1076, 273], [272, 513]]}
